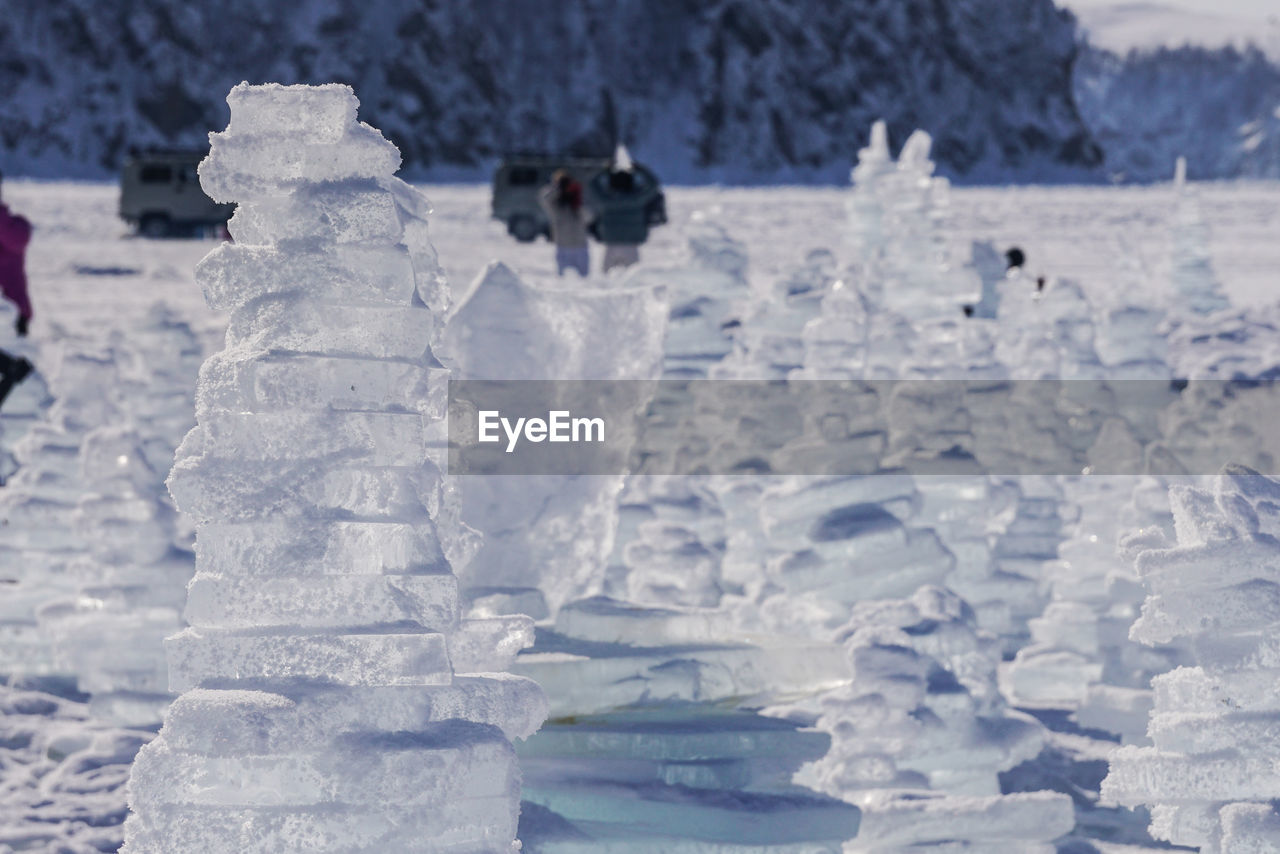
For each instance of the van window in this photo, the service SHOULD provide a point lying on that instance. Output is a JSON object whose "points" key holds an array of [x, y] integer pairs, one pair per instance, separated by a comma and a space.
{"points": [[155, 174], [522, 176]]}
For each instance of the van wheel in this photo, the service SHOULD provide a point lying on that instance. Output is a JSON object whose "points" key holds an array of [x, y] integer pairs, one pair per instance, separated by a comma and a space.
{"points": [[523, 228], [155, 225]]}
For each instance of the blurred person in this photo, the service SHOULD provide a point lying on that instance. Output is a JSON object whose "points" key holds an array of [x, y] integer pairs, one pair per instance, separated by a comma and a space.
{"points": [[1016, 258], [561, 199], [15, 234], [621, 226]]}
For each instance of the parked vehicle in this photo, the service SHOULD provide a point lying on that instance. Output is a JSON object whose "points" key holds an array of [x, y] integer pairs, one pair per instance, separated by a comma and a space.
{"points": [[160, 195], [519, 177]]}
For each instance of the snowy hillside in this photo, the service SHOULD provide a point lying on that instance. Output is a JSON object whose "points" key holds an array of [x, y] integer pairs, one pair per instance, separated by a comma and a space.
{"points": [[1150, 24], [735, 90], [1218, 108]]}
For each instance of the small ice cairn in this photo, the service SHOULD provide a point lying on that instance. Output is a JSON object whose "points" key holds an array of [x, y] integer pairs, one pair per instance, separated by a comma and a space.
{"points": [[1027, 544], [923, 285], [875, 169], [895, 214], [920, 734], [770, 343], [701, 294], [111, 634], [38, 540], [321, 709], [1210, 777], [837, 541], [1080, 656], [1195, 285]]}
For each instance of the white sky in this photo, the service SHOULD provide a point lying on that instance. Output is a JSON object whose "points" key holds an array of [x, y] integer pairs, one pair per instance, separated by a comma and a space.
{"points": [[1120, 24]]}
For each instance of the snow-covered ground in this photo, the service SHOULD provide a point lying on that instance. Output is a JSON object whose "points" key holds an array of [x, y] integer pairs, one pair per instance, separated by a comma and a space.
{"points": [[88, 275], [923, 739]]}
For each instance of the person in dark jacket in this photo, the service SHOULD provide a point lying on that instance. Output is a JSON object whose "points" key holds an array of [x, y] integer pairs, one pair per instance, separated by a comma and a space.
{"points": [[622, 223], [15, 234]]}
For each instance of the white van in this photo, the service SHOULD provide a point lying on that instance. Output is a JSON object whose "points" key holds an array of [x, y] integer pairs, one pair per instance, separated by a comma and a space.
{"points": [[160, 195]]}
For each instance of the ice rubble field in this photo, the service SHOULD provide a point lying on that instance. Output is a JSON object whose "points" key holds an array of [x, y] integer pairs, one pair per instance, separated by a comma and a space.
{"points": [[775, 664]]}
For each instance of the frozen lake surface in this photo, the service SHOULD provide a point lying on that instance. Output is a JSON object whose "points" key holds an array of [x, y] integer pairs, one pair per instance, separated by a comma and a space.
{"points": [[95, 284]]}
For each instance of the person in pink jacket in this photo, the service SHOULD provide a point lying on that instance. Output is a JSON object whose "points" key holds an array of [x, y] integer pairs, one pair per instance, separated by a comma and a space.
{"points": [[15, 234]]}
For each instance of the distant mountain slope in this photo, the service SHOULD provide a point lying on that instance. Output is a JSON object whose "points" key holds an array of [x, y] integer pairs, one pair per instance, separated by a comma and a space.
{"points": [[1219, 108], [737, 90], [1150, 24]]}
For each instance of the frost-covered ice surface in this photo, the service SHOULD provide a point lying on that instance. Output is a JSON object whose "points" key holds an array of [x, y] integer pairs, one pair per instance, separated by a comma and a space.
{"points": [[324, 704], [1209, 774]]}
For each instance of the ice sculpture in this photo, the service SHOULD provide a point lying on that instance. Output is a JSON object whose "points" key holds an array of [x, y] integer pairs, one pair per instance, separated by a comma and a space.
{"points": [[1195, 286], [674, 555], [1021, 551], [837, 541], [1080, 657], [550, 532], [324, 706], [133, 583], [1210, 775], [920, 734], [39, 542], [655, 745], [899, 263], [678, 778], [701, 297], [770, 342], [835, 342], [875, 169]]}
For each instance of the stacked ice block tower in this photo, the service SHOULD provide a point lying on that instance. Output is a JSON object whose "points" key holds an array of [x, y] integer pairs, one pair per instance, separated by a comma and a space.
{"points": [[1080, 656], [320, 709], [871, 176], [835, 342], [920, 735], [1210, 776], [655, 744], [648, 751], [900, 257], [39, 542], [837, 541], [1012, 595], [1195, 285], [702, 296], [770, 342], [133, 583]]}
